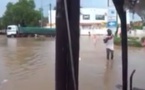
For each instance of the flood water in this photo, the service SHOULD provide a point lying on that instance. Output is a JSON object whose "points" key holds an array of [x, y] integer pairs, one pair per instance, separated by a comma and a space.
{"points": [[28, 64]]}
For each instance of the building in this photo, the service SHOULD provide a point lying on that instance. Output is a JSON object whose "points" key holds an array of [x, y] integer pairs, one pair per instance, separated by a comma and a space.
{"points": [[93, 18], [90, 18]]}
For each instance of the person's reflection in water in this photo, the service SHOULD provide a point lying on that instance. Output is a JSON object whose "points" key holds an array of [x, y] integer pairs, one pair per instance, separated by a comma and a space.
{"points": [[108, 76]]}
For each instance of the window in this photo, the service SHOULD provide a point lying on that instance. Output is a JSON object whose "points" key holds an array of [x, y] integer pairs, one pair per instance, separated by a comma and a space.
{"points": [[100, 17], [9, 28], [86, 17]]}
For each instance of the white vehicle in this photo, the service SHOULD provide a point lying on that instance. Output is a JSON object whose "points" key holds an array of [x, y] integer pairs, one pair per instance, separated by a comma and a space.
{"points": [[12, 30]]}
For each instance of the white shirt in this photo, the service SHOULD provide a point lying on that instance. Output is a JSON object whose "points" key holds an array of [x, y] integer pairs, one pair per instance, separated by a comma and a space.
{"points": [[110, 43]]}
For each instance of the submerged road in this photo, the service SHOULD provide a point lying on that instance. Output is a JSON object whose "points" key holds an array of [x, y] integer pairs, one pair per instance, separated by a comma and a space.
{"points": [[28, 64]]}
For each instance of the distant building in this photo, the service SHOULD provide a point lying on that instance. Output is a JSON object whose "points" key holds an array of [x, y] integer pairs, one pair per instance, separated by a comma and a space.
{"points": [[93, 18], [90, 18]]}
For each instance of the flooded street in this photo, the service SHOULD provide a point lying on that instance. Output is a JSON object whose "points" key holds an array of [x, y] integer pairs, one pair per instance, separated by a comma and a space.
{"points": [[28, 64]]}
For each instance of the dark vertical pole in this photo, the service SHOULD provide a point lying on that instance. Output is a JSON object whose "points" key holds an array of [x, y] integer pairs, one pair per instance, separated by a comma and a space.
{"points": [[50, 15], [41, 10], [63, 73], [124, 51], [116, 24], [108, 3], [122, 14]]}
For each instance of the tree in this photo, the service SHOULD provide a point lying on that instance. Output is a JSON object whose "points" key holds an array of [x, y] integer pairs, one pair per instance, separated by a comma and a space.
{"points": [[9, 5], [22, 12], [137, 7], [1, 26]]}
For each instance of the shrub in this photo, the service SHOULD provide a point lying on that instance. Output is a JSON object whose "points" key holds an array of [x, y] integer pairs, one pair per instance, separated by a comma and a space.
{"points": [[134, 43], [133, 38], [117, 41], [131, 42], [137, 27]]}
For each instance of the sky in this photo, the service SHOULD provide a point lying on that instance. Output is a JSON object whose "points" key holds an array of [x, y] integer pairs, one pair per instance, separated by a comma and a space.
{"points": [[45, 4]]}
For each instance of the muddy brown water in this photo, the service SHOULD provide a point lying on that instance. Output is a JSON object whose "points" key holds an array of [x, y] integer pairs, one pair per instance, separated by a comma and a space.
{"points": [[28, 64]]}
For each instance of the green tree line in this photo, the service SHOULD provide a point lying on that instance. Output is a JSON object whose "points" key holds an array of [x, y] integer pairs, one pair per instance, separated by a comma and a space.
{"points": [[23, 12]]}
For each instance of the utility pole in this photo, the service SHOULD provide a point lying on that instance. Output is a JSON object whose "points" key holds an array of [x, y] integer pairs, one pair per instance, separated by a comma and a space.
{"points": [[50, 18], [117, 23], [41, 10], [108, 5]]}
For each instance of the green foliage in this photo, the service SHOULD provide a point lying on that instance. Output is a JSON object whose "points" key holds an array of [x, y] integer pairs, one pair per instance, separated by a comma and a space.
{"points": [[0, 23], [131, 42], [22, 12], [134, 43], [143, 23], [137, 27], [117, 41], [133, 38], [116, 30]]}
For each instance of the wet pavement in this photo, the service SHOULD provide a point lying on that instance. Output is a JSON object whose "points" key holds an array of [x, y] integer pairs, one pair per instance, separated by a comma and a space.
{"points": [[28, 64]]}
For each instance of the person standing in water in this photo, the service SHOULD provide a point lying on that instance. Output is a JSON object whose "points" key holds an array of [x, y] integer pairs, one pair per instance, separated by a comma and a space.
{"points": [[109, 41]]}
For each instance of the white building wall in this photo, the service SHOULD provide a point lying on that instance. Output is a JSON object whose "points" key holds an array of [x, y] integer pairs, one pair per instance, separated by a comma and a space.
{"points": [[53, 15], [92, 12]]}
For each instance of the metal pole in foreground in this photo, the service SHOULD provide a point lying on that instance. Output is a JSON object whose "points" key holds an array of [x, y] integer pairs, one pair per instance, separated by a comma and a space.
{"points": [[63, 71], [124, 51], [122, 14]]}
